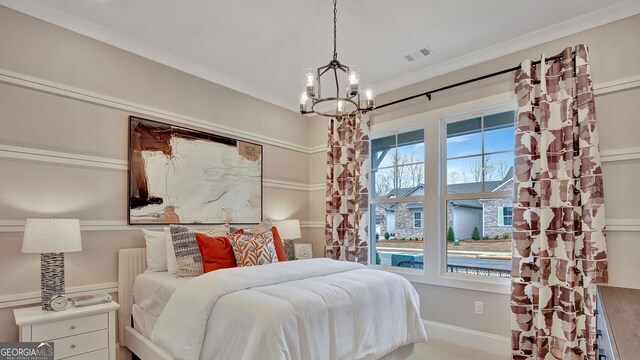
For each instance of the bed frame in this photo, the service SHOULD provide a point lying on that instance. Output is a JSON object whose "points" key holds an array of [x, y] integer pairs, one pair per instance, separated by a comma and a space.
{"points": [[133, 262]]}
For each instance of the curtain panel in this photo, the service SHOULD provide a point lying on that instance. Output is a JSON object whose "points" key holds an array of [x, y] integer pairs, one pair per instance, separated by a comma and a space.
{"points": [[559, 250], [347, 196]]}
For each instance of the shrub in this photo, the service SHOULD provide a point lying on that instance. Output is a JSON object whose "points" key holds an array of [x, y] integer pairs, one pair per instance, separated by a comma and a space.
{"points": [[496, 237], [291, 257], [377, 236], [486, 237], [451, 236], [387, 236], [506, 235], [378, 260], [476, 233]]}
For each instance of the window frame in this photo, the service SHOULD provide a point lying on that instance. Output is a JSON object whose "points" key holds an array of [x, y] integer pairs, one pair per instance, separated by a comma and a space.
{"points": [[504, 217], [394, 199], [419, 219], [434, 223]]}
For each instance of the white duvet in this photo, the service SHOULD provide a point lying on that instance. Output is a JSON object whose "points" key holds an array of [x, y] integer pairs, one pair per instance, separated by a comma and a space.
{"points": [[308, 309]]}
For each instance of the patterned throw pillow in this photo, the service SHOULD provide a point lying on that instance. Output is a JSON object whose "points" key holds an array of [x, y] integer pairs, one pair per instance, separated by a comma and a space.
{"points": [[186, 248], [264, 226], [253, 249]]}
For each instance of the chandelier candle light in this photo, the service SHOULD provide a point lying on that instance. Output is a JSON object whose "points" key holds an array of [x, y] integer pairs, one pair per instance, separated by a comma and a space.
{"points": [[354, 99]]}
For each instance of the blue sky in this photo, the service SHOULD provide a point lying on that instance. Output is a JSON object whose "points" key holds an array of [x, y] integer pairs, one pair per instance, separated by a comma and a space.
{"points": [[471, 144]]}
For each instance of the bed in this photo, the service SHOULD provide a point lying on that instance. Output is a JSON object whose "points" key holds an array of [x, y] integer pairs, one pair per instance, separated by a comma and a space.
{"points": [[310, 309]]}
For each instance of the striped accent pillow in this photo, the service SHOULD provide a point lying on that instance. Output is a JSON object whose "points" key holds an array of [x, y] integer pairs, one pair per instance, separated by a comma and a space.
{"points": [[253, 249], [186, 248]]}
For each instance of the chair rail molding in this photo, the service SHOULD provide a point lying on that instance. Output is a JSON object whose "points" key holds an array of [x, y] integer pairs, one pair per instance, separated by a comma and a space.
{"points": [[7, 226], [30, 298]]}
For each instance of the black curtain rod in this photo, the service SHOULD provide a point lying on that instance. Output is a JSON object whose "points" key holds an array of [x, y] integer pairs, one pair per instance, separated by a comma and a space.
{"points": [[428, 93]]}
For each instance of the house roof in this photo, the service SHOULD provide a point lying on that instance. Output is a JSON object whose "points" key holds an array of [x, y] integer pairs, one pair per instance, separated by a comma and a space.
{"points": [[466, 188]]}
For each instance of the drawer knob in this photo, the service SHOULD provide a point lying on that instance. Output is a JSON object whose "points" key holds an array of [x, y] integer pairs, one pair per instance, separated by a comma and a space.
{"points": [[73, 346], [73, 327]]}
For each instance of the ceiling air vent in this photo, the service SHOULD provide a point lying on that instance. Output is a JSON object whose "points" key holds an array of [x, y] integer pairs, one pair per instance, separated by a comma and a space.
{"points": [[419, 54]]}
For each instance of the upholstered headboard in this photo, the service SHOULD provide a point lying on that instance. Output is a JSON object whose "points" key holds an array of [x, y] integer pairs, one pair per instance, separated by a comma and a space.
{"points": [[131, 263]]}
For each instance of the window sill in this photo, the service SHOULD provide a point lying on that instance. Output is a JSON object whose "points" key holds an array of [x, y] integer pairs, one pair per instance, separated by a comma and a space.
{"points": [[467, 282]]}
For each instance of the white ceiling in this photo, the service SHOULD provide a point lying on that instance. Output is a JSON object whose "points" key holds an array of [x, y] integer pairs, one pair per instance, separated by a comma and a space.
{"points": [[261, 47]]}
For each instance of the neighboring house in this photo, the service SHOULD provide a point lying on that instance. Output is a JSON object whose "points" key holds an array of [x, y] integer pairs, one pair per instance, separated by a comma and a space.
{"points": [[498, 213], [491, 216]]}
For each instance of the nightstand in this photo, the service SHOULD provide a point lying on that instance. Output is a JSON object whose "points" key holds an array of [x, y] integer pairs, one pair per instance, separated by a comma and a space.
{"points": [[84, 333]]}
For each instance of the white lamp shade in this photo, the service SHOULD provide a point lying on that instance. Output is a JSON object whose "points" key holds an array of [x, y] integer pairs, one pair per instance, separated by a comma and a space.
{"points": [[44, 236], [288, 229]]}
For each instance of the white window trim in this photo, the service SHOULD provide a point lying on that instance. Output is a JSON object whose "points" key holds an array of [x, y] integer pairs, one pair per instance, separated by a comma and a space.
{"points": [[434, 272], [414, 219]]}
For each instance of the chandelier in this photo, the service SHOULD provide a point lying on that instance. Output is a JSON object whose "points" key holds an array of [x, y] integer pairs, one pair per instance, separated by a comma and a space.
{"points": [[331, 76]]}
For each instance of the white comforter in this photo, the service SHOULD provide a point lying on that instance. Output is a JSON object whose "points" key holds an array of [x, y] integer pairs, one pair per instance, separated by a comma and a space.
{"points": [[308, 309]]}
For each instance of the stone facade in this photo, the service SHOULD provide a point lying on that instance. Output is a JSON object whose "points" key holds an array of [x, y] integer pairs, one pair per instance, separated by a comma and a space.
{"points": [[405, 224], [490, 217]]}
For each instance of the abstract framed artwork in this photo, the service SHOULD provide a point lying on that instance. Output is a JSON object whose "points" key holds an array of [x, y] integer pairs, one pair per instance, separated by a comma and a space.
{"points": [[183, 176]]}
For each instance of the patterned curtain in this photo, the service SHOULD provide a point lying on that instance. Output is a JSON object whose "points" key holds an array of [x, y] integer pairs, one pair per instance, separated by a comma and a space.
{"points": [[559, 215], [347, 197]]}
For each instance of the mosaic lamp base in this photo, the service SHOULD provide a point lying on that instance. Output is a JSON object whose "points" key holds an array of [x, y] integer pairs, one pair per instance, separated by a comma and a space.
{"points": [[51, 277]]}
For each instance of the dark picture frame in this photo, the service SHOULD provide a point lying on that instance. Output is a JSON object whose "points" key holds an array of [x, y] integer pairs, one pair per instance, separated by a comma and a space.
{"points": [[178, 175]]}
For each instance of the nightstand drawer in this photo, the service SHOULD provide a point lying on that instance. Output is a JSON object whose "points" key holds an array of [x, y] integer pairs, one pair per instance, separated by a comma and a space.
{"points": [[69, 327], [94, 355], [80, 344]]}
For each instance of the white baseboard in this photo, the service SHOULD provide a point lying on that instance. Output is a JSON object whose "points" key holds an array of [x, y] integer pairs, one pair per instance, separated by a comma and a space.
{"points": [[477, 340]]}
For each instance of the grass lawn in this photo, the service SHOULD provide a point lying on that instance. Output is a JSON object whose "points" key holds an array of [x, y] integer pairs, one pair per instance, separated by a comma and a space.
{"points": [[500, 245]]}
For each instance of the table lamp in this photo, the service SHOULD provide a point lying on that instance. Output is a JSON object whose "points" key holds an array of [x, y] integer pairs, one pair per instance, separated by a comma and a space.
{"points": [[288, 230], [51, 238]]}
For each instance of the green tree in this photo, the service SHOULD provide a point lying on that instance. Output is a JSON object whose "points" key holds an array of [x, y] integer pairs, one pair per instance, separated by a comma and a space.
{"points": [[387, 236], [476, 233], [451, 236]]}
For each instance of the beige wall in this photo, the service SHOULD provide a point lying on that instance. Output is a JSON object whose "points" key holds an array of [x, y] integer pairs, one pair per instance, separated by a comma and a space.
{"points": [[615, 50], [38, 120]]}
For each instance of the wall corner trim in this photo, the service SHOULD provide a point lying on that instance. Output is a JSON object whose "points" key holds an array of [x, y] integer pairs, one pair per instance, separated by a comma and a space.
{"points": [[477, 340]]}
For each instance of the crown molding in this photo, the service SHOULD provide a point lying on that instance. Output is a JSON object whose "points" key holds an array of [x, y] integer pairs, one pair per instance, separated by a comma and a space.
{"points": [[78, 25], [569, 27], [51, 87]]}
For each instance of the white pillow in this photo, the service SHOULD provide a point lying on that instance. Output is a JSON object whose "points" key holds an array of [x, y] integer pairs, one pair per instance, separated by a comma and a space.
{"points": [[172, 263], [156, 250]]}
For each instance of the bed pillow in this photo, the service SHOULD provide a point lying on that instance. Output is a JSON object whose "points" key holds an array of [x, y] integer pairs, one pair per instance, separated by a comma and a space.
{"points": [[156, 250], [264, 226], [217, 252], [253, 249], [185, 247], [279, 245], [172, 263]]}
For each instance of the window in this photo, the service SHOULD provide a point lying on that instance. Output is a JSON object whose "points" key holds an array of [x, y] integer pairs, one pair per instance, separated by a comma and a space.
{"points": [[417, 219], [479, 190], [397, 177], [505, 216]]}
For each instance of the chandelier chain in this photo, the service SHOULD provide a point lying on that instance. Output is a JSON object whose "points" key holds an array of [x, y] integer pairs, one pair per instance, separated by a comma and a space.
{"points": [[335, 22]]}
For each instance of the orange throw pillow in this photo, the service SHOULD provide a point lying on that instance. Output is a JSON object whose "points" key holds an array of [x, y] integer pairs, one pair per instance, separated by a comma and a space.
{"points": [[279, 245], [217, 253]]}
